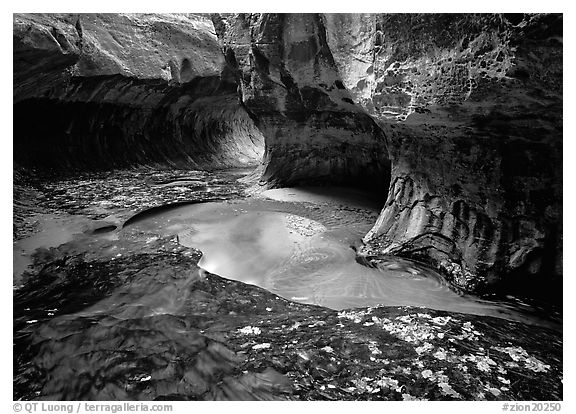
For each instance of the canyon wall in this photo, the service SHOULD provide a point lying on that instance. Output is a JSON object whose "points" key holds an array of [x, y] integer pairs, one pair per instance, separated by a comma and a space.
{"points": [[468, 111], [289, 81], [455, 119], [108, 90]]}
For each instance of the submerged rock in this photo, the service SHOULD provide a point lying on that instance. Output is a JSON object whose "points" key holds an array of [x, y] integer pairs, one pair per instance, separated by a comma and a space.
{"points": [[150, 324], [455, 120]]}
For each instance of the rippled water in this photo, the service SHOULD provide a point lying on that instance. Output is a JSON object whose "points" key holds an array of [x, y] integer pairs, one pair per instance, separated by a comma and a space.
{"points": [[56, 230], [121, 313], [306, 260]]}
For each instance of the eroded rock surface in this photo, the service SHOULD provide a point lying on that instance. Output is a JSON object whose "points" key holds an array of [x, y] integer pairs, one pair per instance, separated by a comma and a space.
{"points": [[289, 81], [142, 322], [477, 183], [456, 118], [104, 90], [469, 114], [129, 315]]}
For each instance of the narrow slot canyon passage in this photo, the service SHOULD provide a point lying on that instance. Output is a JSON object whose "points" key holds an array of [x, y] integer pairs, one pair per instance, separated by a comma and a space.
{"points": [[264, 207]]}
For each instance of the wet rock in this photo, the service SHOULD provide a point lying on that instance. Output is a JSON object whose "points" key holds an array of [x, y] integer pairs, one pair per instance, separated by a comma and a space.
{"points": [[116, 195], [469, 116], [164, 330], [132, 317], [458, 117], [475, 188]]}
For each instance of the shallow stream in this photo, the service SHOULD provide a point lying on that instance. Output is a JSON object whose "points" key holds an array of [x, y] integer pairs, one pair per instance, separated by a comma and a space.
{"points": [[109, 303], [306, 255]]}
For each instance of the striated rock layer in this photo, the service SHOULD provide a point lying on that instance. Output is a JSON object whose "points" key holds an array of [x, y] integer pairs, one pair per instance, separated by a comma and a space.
{"points": [[290, 83], [456, 119], [102, 90], [464, 110]]}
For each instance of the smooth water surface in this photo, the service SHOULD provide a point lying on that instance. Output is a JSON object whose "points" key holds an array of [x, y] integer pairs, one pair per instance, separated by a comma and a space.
{"points": [[307, 261]]}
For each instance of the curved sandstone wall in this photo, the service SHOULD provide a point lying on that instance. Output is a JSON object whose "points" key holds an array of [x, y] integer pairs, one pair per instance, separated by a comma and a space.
{"points": [[289, 81], [456, 119], [468, 111], [105, 90]]}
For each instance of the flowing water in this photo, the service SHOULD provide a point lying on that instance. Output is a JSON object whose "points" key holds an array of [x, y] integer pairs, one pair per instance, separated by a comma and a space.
{"points": [[265, 243], [111, 311]]}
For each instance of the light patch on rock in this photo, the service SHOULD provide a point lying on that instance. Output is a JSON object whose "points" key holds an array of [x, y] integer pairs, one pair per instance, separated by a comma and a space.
{"points": [[355, 316], [250, 330], [426, 373], [518, 354], [441, 320], [448, 390], [295, 326], [495, 392], [440, 354], [389, 383], [483, 366], [468, 332], [362, 385], [374, 348], [427, 347], [408, 328], [408, 397], [264, 345]]}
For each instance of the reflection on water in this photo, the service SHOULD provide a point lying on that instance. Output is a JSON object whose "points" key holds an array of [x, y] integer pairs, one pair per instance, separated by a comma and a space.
{"points": [[55, 230], [125, 314], [303, 260], [326, 195]]}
